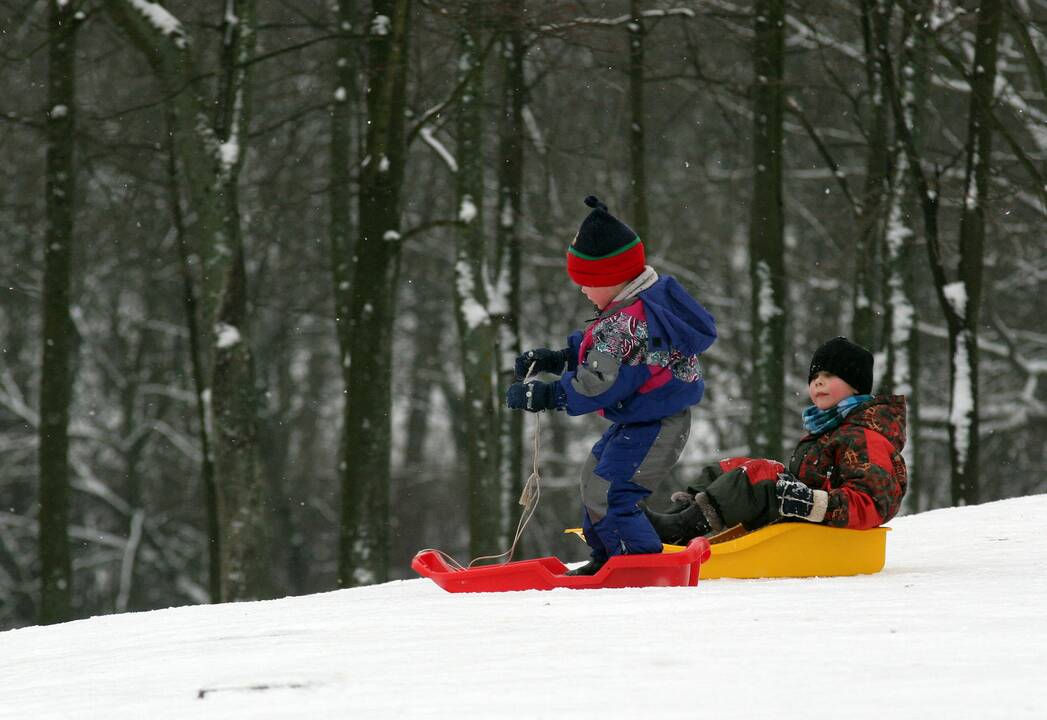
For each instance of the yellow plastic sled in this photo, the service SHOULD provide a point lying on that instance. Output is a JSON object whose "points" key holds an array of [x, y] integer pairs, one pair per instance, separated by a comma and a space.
{"points": [[791, 549]]}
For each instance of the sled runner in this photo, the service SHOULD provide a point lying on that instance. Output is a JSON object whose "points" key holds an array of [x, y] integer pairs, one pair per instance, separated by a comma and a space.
{"points": [[791, 549], [680, 568]]}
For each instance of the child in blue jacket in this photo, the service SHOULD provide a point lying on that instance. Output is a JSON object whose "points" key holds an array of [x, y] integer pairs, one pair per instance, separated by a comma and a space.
{"points": [[635, 364]]}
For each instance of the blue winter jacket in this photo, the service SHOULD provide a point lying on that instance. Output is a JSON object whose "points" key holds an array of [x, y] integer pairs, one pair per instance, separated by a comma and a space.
{"points": [[638, 360]]}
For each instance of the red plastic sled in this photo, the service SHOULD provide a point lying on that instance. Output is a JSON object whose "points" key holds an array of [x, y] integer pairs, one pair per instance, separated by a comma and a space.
{"points": [[658, 570]]}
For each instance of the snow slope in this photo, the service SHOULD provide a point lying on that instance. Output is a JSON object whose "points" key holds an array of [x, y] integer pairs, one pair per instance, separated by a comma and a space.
{"points": [[954, 627]]}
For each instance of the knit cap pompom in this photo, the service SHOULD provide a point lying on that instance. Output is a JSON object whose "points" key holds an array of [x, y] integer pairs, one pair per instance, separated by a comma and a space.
{"points": [[594, 202]]}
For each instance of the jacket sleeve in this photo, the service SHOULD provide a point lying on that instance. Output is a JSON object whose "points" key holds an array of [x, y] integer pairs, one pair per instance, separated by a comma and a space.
{"points": [[867, 488], [574, 344], [602, 381]]}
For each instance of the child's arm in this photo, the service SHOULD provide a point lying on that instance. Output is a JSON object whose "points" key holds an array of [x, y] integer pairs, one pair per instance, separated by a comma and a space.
{"points": [[614, 367], [574, 344], [602, 381]]}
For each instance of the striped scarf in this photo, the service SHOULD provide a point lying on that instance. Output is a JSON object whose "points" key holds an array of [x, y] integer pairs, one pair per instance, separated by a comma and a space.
{"points": [[818, 421]]}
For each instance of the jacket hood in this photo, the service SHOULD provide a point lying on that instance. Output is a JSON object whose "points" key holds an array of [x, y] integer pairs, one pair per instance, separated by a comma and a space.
{"points": [[675, 319], [885, 414]]}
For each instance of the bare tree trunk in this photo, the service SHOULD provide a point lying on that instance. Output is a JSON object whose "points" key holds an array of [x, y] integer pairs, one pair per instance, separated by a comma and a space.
{"points": [[766, 251], [960, 299], [55, 376], [214, 557], [243, 499], [965, 295], [901, 340], [364, 536], [507, 263], [876, 26], [212, 156], [472, 301], [637, 152]]}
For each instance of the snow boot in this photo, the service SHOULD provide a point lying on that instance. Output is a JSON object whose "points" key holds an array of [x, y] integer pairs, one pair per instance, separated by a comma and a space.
{"points": [[590, 568], [680, 500], [699, 518]]}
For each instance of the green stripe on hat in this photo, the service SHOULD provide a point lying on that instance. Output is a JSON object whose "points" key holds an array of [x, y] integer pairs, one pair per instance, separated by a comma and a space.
{"points": [[571, 249]]}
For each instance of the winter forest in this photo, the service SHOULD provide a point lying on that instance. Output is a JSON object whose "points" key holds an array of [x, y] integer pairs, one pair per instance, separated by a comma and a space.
{"points": [[266, 264]]}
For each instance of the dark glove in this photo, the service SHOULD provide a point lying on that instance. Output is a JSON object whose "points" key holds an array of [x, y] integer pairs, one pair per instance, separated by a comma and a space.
{"points": [[535, 396], [798, 500], [545, 360]]}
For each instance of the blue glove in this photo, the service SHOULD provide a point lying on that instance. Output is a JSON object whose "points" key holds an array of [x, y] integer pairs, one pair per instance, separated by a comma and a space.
{"points": [[796, 499], [535, 396], [545, 360]]}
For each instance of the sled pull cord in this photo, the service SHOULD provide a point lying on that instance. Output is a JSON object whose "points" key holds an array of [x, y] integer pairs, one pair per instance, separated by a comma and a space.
{"points": [[531, 493], [529, 497]]}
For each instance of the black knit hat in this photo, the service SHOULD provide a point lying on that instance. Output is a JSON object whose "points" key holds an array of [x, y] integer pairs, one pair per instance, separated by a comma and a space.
{"points": [[851, 363], [605, 251]]}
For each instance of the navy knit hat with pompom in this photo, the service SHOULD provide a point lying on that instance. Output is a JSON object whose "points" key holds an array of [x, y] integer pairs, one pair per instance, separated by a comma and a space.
{"points": [[605, 251]]}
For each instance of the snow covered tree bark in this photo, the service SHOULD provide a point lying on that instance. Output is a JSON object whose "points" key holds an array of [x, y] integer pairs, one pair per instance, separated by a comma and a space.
{"points": [[472, 297], [901, 341], [242, 496], [960, 298], [367, 431], [211, 151], [506, 302], [766, 250], [56, 381]]}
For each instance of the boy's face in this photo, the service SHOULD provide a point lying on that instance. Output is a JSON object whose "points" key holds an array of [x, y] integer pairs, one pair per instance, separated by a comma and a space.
{"points": [[601, 297], [827, 390]]}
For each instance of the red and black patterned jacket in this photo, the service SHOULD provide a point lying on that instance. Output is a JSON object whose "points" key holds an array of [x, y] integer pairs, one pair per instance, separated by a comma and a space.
{"points": [[859, 464]]}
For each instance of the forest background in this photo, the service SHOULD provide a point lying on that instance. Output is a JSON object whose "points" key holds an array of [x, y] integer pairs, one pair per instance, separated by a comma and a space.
{"points": [[265, 264]]}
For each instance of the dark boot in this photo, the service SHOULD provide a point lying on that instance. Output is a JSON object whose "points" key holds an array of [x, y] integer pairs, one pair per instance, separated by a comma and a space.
{"points": [[590, 568], [679, 528], [680, 501]]}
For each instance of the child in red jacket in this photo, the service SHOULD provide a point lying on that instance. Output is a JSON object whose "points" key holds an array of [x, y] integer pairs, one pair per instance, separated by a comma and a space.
{"points": [[847, 470]]}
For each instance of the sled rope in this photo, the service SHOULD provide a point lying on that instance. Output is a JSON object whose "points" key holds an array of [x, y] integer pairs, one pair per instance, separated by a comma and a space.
{"points": [[529, 497]]}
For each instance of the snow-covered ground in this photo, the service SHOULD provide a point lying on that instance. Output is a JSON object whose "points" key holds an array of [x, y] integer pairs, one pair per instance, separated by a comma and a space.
{"points": [[954, 627]]}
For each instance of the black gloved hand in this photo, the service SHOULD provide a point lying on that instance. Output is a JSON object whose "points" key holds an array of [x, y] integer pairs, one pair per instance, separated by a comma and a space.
{"points": [[544, 359], [534, 396], [796, 499]]}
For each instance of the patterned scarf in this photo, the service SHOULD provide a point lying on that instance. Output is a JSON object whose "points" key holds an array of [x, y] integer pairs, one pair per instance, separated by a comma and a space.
{"points": [[818, 421]]}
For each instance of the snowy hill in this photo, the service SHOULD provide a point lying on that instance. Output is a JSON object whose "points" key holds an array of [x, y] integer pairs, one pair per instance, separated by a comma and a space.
{"points": [[954, 627]]}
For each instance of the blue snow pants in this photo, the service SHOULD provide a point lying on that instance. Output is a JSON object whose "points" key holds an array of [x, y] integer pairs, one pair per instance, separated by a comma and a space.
{"points": [[626, 465]]}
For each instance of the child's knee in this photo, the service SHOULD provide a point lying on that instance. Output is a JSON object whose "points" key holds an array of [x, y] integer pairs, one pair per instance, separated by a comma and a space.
{"points": [[739, 500]]}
